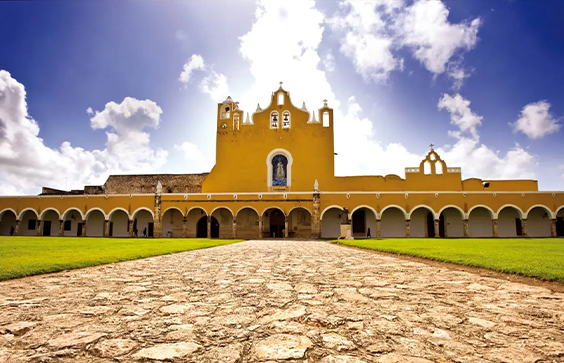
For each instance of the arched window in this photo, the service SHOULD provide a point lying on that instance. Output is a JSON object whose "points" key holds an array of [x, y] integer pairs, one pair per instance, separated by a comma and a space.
{"points": [[236, 121], [438, 167], [286, 119], [274, 120], [280, 99], [325, 119], [279, 170], [225, 111], [427, 168]]}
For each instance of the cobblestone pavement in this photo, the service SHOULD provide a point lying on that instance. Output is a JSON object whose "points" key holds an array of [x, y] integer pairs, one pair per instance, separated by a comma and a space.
{"points": [[270, 301]]}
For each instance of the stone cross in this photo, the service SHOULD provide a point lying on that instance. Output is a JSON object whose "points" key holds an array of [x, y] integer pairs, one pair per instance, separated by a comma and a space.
{"points": [[431, 146], [325, 103]]}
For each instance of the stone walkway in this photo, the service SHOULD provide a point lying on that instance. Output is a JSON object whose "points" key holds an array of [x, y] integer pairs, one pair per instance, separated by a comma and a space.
{"points": [[269, 301]]}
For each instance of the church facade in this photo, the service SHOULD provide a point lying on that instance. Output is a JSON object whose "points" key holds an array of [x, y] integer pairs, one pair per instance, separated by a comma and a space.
{"points": [[274, 178]]}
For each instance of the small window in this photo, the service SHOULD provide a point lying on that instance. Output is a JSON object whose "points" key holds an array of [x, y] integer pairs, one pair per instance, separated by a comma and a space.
{"points": [[286, 120], [280, 99], [325, 119], [427, 168], [438, 168], [225, 112], [67, 226], [31, 224], [274, 120], [236, 121]]}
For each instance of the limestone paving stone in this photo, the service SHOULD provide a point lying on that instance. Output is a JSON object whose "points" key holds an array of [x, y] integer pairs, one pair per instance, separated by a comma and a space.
{"points": [[278, 301]]}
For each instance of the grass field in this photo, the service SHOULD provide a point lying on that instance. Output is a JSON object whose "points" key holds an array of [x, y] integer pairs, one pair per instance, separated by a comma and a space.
{"points": [[26, 256], [535, 257]]}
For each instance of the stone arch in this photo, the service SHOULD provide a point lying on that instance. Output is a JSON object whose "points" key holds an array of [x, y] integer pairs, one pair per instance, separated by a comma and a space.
{"points": [[22, 212], [42, 215], [558, 210], [10, 210], [172, 222], [269, 171], [393, 206], [247, 222], [193, 216], [538, 221], [171, 208], [28, 222], [297, 207], [547, 210], [274, 222], [119, 222], [95, 222], [452, 217], [509, 221], [71, 209], [142, 209], [87, 214], [492, 213], [462, 214], [329, 207], [422, 221], [72, 226], [392, 221], [8, 219], [224, 227], [118, 209], [365, 206], [480, 221], [331, 222], [299, 222], [247, 207]]}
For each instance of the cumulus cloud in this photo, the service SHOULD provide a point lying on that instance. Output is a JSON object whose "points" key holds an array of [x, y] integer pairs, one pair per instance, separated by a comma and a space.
{"points": [[298, 63], [535, 121], [192, 153], [27, 164], [195, 62], [373, 33], [89, 111], [213, 84]]}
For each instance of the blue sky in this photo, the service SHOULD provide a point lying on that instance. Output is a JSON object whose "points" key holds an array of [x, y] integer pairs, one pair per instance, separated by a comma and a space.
{"points": [[479, 79]]}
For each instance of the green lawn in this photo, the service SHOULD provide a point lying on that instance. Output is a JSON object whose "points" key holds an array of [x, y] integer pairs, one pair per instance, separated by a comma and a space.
{"points": [[26, 256], [536, 257]]}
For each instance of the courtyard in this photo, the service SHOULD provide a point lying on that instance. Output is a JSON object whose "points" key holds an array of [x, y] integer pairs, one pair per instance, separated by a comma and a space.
{"points": [[260, 301]]}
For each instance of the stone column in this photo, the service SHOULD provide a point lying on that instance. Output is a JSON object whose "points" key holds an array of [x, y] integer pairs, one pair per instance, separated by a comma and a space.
{"points": [[407, 228], [437, 229], [209, 226], [260, 227], [157, 223], [106, 228], [38, 228], [61, 227], [286, 227], [234, 227], [524, 227], [17, 230], [553, 228], [465, 228], [315, 221], [184, 222], [494, 228], [83, 232], [378, 228], [130, 222]]}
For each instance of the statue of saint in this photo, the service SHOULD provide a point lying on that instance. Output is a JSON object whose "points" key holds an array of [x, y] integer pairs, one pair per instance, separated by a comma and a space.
{"points": [[279, 173]]}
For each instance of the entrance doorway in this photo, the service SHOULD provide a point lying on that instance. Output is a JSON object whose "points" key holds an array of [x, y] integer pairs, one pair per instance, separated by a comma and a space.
{"points": [[202, 228], [46, 228], [277, 223], [560, 226], [358, 222], [431, 225]]}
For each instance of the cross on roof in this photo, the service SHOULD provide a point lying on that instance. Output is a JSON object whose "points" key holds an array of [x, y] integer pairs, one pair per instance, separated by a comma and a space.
{"points": [[431, 146], [325, 102], [281, 84]]}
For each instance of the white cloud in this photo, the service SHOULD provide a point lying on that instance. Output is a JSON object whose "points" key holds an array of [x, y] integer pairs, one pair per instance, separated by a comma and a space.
{"points": [[213, 84], [195, 62], [457, 73], [374, 31], [329, 62], [198, 161], [27, 164], [89, 111], [460, 114], [535, 121]]}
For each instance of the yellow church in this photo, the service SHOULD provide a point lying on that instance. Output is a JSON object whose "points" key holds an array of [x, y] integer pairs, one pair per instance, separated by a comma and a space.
{"points": [[267, 183]]}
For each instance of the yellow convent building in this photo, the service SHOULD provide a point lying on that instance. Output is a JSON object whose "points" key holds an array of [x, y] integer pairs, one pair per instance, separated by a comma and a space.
{"points": [[274, 177]]}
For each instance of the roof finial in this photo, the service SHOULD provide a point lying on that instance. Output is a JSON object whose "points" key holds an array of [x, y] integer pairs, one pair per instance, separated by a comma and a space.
{"points": [[281, 85], [324, 103], [431, 147]]}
